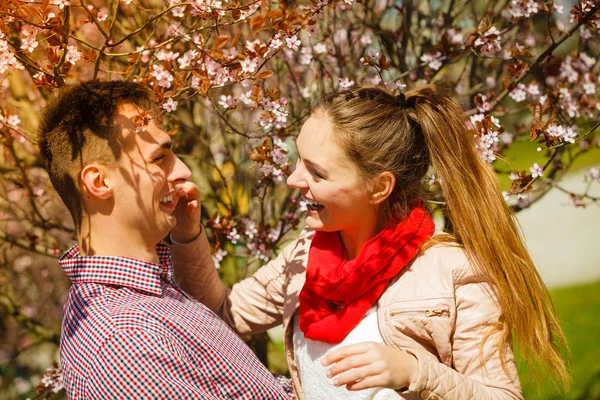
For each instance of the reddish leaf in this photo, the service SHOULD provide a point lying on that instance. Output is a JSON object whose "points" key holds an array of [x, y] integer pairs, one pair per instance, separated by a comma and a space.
{"points": [[256, 23], [221, 41], [265, 74]]}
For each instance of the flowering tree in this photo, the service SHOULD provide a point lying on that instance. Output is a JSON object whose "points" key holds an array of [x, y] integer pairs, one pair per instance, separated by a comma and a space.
{"points": [[236, 80]]}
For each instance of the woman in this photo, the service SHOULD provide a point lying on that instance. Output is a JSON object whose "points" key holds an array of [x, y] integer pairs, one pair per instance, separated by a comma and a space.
{"points": [[369, 299]]}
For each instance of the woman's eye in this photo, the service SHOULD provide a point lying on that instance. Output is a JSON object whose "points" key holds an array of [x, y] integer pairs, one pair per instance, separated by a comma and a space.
{"points": [[316, 175]]}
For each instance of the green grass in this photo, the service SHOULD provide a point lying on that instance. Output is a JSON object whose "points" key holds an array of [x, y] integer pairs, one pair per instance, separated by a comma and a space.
{"points": [[578, 309]]}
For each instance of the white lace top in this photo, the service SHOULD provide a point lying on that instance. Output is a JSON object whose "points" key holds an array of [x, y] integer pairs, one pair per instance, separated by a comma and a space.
{"points": [[309, 353]]}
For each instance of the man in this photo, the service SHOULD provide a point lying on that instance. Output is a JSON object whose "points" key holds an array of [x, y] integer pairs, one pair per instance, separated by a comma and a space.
{"points": [[128, 331]]}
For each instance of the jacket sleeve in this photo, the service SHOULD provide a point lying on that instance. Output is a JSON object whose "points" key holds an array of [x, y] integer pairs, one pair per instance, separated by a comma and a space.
{"points": [[250, 306], [476, 375]]}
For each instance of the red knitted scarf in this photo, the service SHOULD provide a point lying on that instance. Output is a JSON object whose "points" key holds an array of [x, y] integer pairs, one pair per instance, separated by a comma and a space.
{"points": [[338, 293]]}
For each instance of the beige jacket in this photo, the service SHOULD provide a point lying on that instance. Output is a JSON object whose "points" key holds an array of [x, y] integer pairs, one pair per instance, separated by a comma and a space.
{"points": [[437, 309]]}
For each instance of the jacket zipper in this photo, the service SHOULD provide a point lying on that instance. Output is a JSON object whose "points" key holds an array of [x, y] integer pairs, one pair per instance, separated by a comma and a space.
{"points": [[437, 312]]}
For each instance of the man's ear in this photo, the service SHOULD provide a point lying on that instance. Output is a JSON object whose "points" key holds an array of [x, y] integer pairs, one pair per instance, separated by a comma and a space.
{"points": [[383, 186], [95, 183]]}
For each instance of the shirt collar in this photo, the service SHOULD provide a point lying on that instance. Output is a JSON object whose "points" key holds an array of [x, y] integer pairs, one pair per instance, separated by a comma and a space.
{"points": [[119, 271]]}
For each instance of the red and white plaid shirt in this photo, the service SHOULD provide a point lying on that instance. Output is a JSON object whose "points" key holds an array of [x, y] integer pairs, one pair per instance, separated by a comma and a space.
{"points": [[129, 332]]}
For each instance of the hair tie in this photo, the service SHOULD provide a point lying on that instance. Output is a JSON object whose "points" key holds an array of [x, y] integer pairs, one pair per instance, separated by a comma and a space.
{"points": [[401, 100]]}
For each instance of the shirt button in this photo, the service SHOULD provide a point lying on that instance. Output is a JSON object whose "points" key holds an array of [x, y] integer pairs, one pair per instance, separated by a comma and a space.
{"points": [[425, 394]]}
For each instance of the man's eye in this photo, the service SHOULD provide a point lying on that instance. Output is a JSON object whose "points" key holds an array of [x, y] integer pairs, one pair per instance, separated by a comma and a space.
{"points": [[162, 156]]}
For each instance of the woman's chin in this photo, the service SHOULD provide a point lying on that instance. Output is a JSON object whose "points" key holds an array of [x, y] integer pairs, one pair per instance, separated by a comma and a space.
{"points": [[314, 223]]}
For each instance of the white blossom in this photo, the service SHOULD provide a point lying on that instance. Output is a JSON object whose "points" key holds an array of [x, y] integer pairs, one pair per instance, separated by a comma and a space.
{"points": [[536, 171]]}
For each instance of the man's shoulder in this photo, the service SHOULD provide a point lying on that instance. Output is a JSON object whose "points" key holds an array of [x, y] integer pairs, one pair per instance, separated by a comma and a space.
{"points": [[107, 308]]}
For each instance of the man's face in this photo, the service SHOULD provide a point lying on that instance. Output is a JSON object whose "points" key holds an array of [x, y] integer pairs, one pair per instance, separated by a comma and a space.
{"points": [[145, 179]]}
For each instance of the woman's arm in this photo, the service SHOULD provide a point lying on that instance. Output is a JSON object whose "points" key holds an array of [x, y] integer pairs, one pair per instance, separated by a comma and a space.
{"points": [[250, 306], [476, 374]]}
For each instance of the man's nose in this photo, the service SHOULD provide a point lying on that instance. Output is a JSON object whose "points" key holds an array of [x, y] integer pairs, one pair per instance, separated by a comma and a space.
{"points": [[180, 172]]}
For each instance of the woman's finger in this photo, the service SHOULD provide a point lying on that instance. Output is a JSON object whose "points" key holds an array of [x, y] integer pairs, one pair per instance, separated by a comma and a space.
{"points": [[357, 374], [348, 363], [367, 383], [346, 351]]}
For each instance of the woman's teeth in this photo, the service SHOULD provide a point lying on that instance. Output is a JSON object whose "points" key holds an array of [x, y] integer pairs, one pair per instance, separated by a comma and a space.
{"points": [[313, 205], [167, 199]]}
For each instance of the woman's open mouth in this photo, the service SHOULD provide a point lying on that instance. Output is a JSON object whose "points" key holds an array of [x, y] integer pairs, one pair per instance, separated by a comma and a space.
{"points": [[313, 205]]}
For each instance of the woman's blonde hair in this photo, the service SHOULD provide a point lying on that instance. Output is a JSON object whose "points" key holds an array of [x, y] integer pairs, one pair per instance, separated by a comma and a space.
{"points": [[405, 135]]}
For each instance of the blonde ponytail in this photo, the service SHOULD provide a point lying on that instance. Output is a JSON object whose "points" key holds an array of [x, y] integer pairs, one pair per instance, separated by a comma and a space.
{"points": [[483, 223]]}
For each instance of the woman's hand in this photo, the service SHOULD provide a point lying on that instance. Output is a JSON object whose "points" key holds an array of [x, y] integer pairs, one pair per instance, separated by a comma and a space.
{"points": [[367, 365], [187, 213]]}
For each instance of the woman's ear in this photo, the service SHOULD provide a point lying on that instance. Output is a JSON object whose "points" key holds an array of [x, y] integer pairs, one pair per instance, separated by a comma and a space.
{"points": [[95, 182], [383, 186]]}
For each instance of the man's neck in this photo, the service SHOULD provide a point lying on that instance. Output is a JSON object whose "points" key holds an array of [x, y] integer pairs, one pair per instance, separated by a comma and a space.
{"points": [[111, 240]]}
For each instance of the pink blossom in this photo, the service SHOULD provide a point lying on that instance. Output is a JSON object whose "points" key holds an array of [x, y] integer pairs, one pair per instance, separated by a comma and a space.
{"points": [[533, 90], [588, 61], [518, 94], [252, 8], [320, 48], [73, 55], [249, 64], [102, 15], [455, 36], [28, 39], [167, 56], [233, 235], [254, 45], [53, 379], [305, 56], [276, 42], [594, 174], [506, 138], [366, 40], [251, 230], [567, 70], [589, 88], [293, 42], [488, 43], [345, 83], [520, 8], [246, 98], [188, 59], [162, 76], [231, 53], [227, 101], [434, 61], [170, 105], [29, 44], [62, 4], [13, 120], [536, 171], [218, 257]]}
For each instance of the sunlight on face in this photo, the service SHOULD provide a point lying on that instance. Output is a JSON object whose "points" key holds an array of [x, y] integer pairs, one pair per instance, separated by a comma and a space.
{"points": [[147, 174], [330, 183]]}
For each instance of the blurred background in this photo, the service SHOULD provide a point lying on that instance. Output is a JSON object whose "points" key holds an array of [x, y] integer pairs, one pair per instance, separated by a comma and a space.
{"points": [[235, 81]]}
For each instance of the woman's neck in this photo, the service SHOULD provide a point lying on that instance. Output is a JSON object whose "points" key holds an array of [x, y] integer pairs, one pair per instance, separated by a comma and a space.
{"points": [[353, 240]]}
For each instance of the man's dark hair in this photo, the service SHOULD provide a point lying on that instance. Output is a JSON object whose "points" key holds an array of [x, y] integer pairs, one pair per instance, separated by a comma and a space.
{"points": [[77, 127]]}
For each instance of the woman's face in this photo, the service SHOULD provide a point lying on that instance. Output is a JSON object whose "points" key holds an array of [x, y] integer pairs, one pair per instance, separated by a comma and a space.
{"points": [[336, 195]]}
